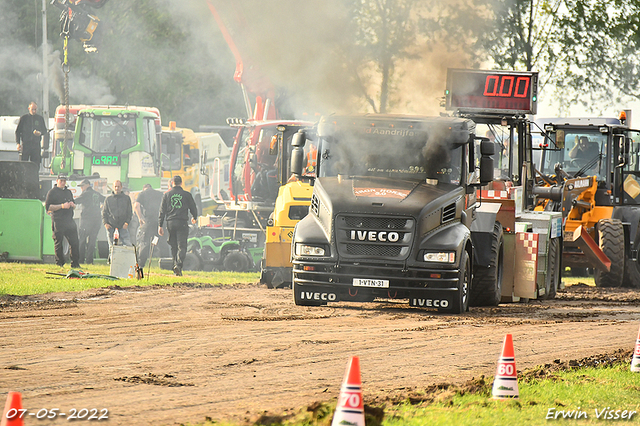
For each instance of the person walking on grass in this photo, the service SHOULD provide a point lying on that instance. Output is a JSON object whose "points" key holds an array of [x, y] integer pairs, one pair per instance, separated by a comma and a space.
{"points": [[175, 207]]}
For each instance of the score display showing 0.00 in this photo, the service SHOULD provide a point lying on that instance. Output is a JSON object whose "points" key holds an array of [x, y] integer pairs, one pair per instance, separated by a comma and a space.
{"points": [[492, 91]]}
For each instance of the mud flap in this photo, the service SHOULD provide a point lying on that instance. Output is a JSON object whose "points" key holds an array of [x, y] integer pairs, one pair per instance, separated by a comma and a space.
{"points": [[526, 265], [314, 295], [423, 302]]}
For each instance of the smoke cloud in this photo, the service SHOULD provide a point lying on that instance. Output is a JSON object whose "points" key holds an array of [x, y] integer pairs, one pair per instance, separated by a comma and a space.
{"points": [[298, 46]]}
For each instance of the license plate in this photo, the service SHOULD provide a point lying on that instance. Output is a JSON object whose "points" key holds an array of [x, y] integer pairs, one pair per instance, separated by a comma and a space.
{"points": [[365, 282]]}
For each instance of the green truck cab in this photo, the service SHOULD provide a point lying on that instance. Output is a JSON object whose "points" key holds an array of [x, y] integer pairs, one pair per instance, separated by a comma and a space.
{"points": [[117, 143]]}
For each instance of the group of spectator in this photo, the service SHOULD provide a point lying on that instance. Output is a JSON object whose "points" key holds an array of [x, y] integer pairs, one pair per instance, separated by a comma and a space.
{"points": [[115, 213]]}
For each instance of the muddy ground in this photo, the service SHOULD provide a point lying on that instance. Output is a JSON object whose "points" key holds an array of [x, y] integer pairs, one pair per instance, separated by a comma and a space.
{"points": [[181, 354]]}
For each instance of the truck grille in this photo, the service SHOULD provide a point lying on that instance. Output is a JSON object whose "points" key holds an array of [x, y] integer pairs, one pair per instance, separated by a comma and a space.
{"points": [[374, 237], [375, 222], [371, 250]]}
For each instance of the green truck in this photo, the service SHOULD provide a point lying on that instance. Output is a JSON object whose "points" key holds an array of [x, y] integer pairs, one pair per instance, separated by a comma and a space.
{"points": [[114, 142]]}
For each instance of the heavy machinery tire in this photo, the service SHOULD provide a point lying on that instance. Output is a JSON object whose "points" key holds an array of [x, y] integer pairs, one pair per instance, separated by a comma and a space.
{"points": [[461, 300], [235, 261], [611, 241], [251, 267], [632, 268], [192, 262], [487, 281], [554, 260]]}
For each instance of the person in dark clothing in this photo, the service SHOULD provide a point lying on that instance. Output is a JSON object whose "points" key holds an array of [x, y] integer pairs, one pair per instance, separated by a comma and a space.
{"points": [[116, 214], [147, 208], [59, 203], [175, 207], [29, 132], [90, 220]]}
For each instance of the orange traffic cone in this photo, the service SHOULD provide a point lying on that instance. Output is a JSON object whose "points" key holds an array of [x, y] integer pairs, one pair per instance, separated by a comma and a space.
{"points": [[505, 384], [12, 416], [635, 361], [350, 408]]}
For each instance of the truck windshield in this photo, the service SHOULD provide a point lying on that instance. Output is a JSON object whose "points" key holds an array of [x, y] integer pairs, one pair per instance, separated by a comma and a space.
{"points": [[413, 157], [576, 150], [108, 134], [171, 151]]}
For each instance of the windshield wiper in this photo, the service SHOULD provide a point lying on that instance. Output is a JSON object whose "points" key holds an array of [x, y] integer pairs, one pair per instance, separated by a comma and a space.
{"points": [[589, 165]]}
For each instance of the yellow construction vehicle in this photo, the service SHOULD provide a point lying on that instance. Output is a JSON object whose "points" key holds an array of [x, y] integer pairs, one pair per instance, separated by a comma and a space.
{"points": [[590, 168], [292, 204], [200, 159]]}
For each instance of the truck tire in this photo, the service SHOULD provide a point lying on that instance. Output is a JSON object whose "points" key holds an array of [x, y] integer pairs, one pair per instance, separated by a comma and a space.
{"points": [[611, 241], [235, 261], [461, 301], [487, 281], [554, 259], [632, 268]]}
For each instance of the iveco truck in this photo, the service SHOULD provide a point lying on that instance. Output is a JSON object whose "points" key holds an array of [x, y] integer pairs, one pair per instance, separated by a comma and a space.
{"points": [[392, 208]]}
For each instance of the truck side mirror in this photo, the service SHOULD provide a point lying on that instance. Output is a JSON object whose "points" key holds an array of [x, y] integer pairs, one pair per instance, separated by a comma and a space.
{"points": [[624, 144], [487, 150], [203, 161]]}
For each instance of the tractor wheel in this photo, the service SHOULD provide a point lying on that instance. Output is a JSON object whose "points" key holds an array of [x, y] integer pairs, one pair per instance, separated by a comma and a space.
{"points": [[192, 262], [554, 259], [611, 241], [632, 268], [461, 299], [487, 281], [235, 261]]}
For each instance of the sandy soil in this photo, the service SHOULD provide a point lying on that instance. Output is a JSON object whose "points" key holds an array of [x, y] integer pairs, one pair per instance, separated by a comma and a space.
{"points": [[181, 354]]}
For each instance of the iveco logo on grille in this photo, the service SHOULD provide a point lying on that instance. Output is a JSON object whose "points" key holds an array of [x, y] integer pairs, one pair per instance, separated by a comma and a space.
{"points": [[383, 236]]}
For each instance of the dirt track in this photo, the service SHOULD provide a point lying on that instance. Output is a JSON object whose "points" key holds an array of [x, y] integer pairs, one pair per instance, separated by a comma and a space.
{"points": [[179, 354]]}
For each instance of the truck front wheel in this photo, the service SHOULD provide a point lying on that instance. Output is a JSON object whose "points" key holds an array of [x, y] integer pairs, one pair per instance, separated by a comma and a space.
{"points": [[461, 300], [487, 280], [611, 241], [554, 261]]}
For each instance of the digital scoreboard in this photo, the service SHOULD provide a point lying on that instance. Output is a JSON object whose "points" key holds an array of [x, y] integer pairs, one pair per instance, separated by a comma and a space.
{"points": [[106, 160], [509, 92]]}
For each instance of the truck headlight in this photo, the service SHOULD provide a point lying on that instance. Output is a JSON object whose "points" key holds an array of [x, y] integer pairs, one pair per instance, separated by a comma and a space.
{"points": [[442, 257], [306, 250]]}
